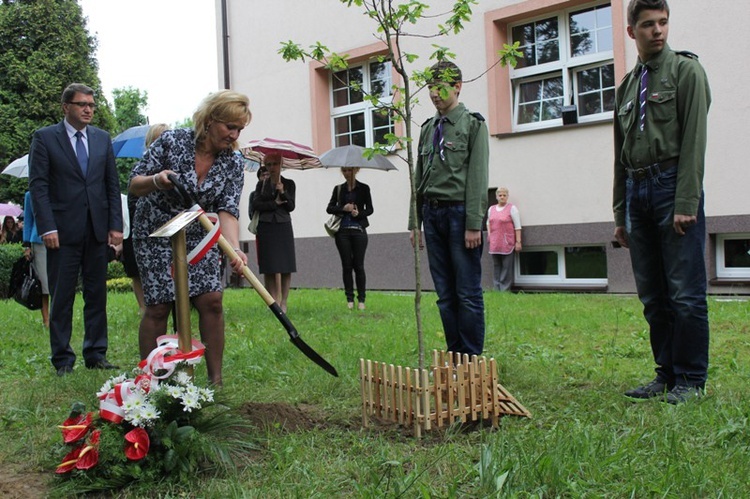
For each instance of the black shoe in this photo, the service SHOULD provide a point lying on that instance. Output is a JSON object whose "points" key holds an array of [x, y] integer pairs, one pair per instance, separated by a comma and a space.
{"points": [[653, 389], [683, 393], [101, 364], [64, 370]]}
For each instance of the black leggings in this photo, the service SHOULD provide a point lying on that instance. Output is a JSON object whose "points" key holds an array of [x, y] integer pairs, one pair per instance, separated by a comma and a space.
{"points": [[352, 245]]}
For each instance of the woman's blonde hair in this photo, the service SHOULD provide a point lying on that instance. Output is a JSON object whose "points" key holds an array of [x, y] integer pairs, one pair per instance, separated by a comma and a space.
{"points": [[225, 106], [154, 132]]}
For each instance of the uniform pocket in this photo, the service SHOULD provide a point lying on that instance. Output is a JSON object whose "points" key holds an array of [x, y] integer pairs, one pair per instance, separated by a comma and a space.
{"points": [[625, 115], [662, 105], [455, 151]]}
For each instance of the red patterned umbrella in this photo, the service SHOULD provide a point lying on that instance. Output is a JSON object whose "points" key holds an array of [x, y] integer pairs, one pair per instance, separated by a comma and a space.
{"points": [[294, 156]]}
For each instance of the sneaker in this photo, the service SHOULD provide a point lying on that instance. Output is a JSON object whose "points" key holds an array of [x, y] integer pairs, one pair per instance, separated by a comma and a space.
{"points": [[361, 305], [653, 389], [683, 393]]}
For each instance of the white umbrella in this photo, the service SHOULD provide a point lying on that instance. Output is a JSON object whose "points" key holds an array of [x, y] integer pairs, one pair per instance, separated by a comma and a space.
{"points": [[353, 157], [19, 167]]}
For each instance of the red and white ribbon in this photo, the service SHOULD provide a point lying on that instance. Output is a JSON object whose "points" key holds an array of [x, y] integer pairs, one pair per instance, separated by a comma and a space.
{"points": [[163, 359], [207, 242], [159, 364]]}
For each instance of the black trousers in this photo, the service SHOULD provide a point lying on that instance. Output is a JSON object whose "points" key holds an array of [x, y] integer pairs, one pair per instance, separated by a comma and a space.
{"points": [[89, 258], [352, 245]]}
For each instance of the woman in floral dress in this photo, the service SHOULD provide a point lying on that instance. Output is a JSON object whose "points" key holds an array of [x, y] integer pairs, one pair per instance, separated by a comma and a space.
{"points": [[204, 161]]}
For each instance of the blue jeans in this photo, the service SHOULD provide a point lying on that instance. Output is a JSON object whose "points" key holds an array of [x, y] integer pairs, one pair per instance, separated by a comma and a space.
{"points": [[352, 245], [457, 275], [670, 275]]}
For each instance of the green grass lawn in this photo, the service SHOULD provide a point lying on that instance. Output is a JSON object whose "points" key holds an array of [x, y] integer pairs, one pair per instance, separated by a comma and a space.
{"points": [[566, 357]]}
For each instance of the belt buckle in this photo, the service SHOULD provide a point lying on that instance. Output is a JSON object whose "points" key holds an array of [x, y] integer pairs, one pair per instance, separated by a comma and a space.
{"points": [[642, 173]]}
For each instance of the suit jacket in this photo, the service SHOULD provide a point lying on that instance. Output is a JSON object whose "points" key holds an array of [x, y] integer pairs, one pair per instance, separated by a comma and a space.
{"points": [[63, 198], [264, 201]]}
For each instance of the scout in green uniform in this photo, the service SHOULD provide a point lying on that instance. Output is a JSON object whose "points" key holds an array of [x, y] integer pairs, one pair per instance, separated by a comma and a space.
{"points": [[660, 142], [452, 175]]}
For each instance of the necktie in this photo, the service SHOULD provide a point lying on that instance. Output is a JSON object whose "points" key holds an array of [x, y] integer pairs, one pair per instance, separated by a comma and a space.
{"points": [[438, 141], [642, 96], [83, 157]]}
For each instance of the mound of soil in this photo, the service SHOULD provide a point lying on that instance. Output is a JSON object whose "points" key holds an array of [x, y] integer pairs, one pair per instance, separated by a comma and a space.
{"points": [[16, 484], [283, 417]]}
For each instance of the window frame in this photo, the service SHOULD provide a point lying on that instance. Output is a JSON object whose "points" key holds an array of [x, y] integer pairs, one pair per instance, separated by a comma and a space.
{"points": [[560, 280], [364, 107], [722, 271], [497, 33], [566, 66]]}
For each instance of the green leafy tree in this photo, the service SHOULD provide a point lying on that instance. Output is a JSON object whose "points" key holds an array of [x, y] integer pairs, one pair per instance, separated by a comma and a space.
{"points": [[44, 46], [130, 104], [395, 22], [185, 123]]}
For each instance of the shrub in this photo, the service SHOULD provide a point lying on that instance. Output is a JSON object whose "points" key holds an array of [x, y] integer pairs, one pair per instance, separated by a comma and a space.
{"points": [[119, 285], [9, 254], [115, 270]]}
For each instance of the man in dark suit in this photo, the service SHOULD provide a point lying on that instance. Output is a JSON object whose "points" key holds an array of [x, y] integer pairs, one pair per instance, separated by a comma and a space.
{"points": [[76, 197]]}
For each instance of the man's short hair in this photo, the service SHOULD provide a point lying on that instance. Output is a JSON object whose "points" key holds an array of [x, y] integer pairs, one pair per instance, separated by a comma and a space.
{"points": [[635, 7], [73, 89], [445, 72]]}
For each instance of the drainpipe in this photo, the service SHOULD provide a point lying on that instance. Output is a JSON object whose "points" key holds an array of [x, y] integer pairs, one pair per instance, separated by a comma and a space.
{"points": [[225, 43]]}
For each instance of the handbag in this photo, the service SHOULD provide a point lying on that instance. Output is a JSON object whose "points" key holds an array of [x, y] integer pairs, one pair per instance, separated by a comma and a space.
{"points": [[253, 225], [29, 293], [333, 224]]}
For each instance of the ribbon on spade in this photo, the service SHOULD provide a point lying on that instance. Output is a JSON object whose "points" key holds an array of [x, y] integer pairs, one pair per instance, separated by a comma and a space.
{"points": [[160, 364], [208, 241]]}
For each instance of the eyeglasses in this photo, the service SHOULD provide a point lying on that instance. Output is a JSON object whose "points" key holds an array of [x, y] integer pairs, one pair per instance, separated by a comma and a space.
{"points": [[82, 105]]}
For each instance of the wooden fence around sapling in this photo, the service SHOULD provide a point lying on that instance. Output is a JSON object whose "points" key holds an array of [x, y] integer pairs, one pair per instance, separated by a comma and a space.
{"points": [[456, 388]]}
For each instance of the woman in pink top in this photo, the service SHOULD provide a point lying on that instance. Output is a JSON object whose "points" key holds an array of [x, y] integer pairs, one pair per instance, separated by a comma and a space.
{"points": [[504, 236]]}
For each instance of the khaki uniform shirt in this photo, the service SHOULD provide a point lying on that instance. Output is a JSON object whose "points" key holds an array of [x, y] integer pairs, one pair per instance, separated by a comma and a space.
{"points": [[464, 174], [675, 126]]}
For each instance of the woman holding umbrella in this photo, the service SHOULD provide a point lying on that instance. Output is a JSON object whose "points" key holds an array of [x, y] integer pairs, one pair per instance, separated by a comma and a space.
{"points": [[203, 159], [274, 201], [351, 200]]}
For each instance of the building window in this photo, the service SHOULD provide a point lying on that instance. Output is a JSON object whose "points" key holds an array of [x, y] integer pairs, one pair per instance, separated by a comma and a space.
{"points": [[563, 266], [568, 59], [356, 119], [733, 256]]}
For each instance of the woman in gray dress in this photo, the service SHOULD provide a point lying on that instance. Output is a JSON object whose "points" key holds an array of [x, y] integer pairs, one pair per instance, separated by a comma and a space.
{"points": [[203, 159]]}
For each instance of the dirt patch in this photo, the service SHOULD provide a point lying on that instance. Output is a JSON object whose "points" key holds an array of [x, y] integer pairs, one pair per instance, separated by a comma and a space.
{"points": [[17, 484], [283, 417]]}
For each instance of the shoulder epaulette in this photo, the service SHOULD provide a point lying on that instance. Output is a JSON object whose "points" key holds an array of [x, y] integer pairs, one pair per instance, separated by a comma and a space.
{"points": [[426, 121], [686, 53], [478, 116]]}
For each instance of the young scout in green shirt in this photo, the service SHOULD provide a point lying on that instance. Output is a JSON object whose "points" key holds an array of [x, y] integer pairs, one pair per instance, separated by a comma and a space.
{"points": [[660, 143], [452, 179]]}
